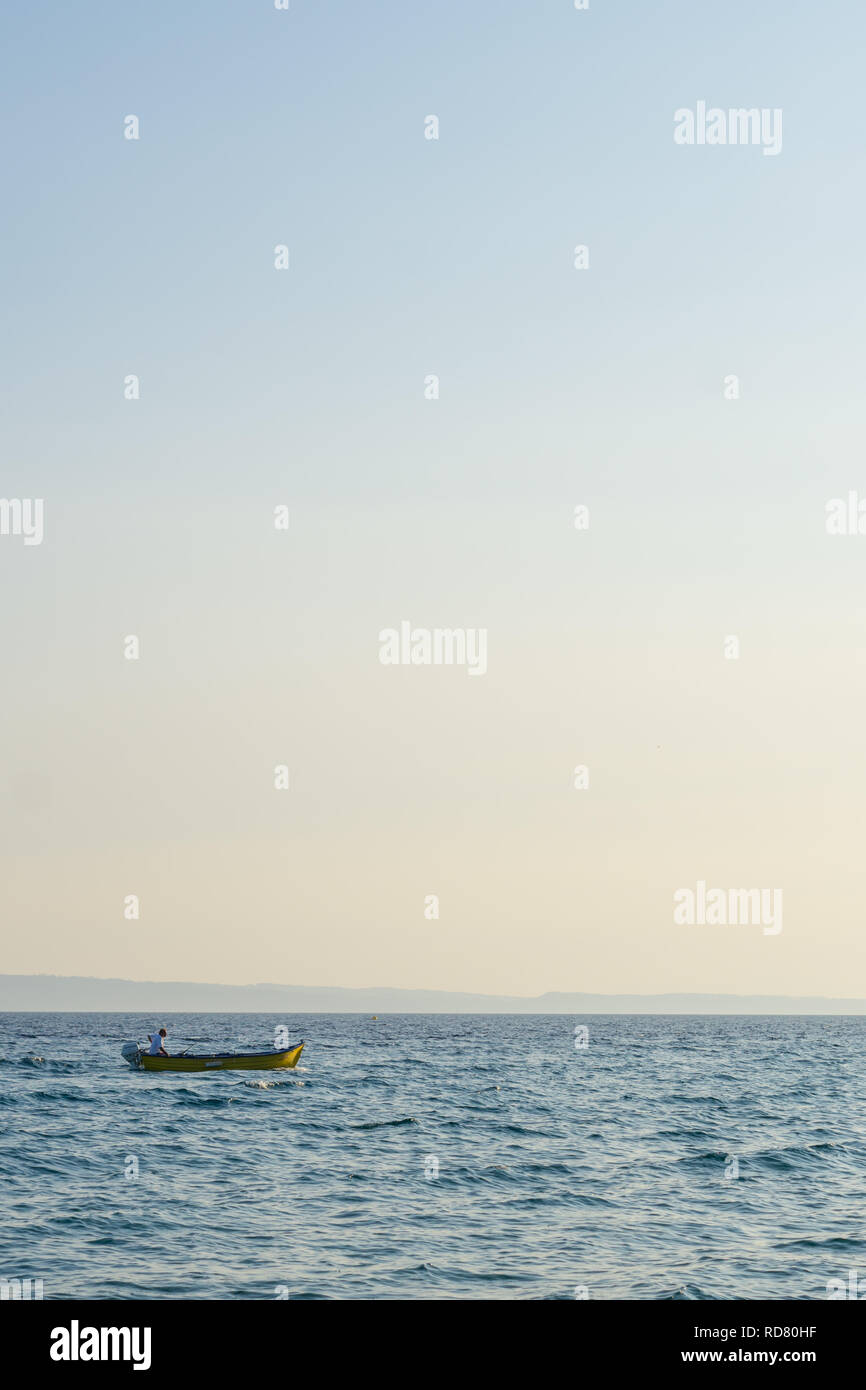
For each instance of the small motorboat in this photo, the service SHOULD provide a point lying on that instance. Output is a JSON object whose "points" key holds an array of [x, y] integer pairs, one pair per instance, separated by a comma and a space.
{"points": [[136, 1056]]}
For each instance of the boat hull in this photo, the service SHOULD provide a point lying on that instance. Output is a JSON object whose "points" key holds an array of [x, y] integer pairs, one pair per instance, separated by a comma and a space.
{"points": [[227, 1061]]}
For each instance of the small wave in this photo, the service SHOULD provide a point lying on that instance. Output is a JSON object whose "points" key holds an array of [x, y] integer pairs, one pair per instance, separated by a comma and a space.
{"points": [[72, 1096], [715, 1101], [386, 1124], [526, 1132], [686, 1293], [199, 1101], [711, 1156], [35, 1062], [273, 1085], [795, 1155], [831, 1243], [681, 1134]]}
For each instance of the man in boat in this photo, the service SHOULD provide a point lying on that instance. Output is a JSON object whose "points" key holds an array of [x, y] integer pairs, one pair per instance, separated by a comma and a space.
{"points": [[157, 1044]]}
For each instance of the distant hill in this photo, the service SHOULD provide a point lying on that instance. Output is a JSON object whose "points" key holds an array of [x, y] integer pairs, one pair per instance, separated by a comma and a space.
{"points": [[80, 994]]}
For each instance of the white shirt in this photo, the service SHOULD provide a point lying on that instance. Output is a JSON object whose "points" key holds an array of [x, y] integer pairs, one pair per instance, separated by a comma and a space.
{"points": [[156, 1043]]}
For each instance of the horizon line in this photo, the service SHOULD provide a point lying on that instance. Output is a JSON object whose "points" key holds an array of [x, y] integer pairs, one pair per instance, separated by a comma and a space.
{"points": [[421, 989]]}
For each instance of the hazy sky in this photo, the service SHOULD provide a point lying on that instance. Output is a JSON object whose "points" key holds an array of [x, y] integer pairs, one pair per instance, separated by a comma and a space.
{"points": [[559, 387]]}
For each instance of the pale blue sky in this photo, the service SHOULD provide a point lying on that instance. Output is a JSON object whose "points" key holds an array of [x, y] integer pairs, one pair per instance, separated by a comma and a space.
{"points": [[557, 387]]}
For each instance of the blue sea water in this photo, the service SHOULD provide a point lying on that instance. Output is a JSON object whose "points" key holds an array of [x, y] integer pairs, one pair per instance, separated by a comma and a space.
{"points": [[437, 1157]]}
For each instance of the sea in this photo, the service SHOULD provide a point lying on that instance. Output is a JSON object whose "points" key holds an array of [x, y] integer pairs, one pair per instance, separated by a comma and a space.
{"points": [[437, 1157]]}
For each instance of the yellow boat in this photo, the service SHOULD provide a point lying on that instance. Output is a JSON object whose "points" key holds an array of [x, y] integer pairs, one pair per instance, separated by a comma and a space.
{"points": [[214, 1061]]}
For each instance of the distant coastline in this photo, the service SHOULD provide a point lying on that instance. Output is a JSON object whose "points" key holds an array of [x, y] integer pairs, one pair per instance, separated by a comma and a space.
{"points": [[82, 994]]}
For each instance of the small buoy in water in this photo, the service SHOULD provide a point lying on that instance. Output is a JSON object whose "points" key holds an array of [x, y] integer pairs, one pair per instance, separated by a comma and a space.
{"points": [[375, 1018]]}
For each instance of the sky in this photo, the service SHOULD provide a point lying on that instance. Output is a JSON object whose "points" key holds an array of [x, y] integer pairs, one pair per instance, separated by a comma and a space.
{"points": [[607, 387]]}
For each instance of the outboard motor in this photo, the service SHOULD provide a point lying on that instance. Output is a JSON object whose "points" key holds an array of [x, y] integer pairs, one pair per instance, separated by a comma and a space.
{"points": [[131, 1053]]}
